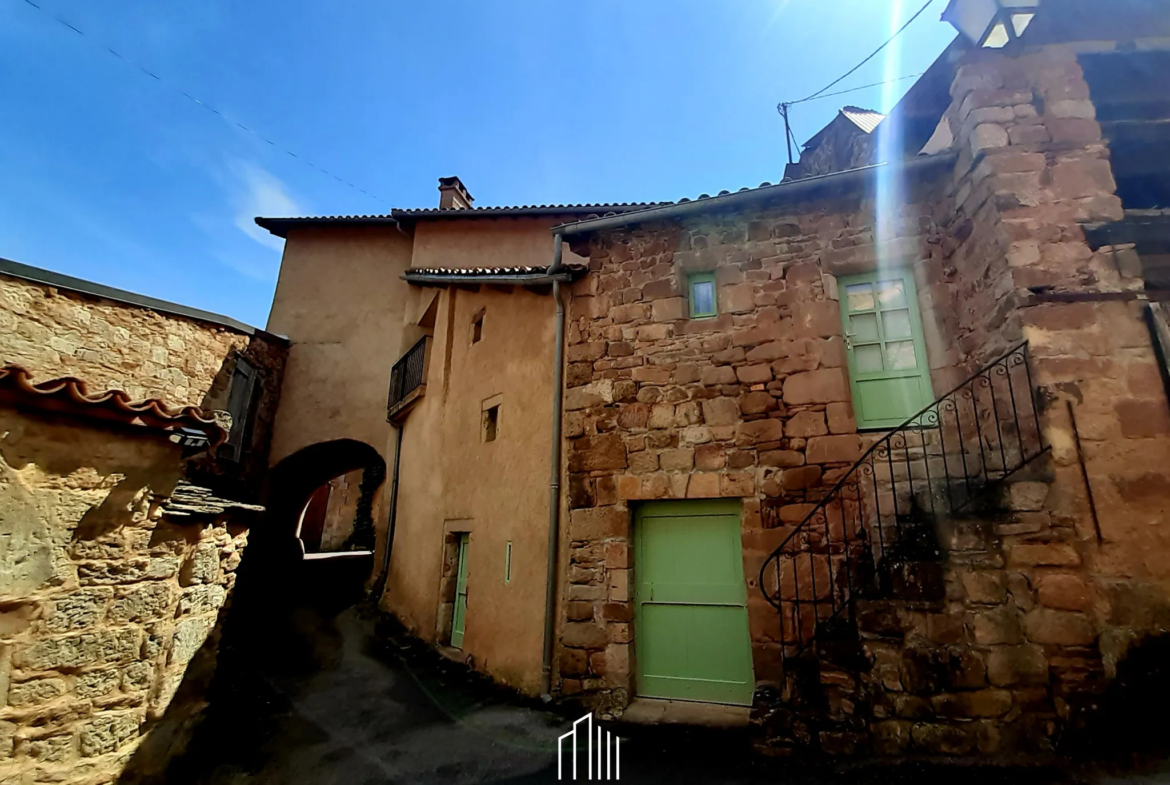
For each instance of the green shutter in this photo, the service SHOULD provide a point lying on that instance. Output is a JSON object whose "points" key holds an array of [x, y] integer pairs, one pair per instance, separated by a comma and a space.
{"points": [[888, 370], [459, 619]]}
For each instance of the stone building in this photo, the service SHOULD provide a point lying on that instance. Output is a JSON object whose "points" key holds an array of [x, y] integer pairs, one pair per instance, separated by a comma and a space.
{"points": [[124, 510], [882, 454]]}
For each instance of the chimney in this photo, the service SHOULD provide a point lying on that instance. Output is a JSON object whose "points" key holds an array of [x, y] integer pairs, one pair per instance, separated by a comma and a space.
{"points": [[453, 194]]}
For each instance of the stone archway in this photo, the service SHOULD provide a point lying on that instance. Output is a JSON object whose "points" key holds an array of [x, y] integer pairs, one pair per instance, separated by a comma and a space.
{"points": [[291, 484], [293, 481]]}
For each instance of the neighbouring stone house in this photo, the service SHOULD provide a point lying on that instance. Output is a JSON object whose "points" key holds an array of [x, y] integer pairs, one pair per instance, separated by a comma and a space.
{"points": [[124, 510], [966, 585]]}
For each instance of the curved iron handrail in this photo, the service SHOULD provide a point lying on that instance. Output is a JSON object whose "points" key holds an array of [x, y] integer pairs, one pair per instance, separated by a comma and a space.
{"points": [[929, 418]]}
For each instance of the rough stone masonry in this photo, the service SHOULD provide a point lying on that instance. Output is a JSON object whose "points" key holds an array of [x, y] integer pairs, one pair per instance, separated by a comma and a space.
{"points": [[1039, 599], [106, 602]]}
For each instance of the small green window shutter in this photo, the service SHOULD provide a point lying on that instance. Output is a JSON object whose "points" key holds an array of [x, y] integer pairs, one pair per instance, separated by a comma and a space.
{"points": [[702, 296], [888, 370], [459, 619]]}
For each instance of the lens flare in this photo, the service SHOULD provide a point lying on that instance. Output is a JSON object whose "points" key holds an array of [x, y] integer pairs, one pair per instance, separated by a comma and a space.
{"points": [[888, 207]]}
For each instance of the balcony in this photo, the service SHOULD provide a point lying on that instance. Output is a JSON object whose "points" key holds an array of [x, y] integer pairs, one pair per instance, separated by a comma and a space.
{"points": [[408, 380]]}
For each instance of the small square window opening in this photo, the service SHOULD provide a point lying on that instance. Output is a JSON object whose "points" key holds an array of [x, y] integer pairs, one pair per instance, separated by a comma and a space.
{"points": [[491, 423], [701, 288], [477, 327]]}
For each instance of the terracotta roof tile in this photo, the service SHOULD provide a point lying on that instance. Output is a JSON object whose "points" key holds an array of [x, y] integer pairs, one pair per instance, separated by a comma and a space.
{"points": [[70, 395]]}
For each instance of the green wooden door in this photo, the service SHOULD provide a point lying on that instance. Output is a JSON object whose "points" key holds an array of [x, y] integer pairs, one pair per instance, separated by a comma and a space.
{"points": [[459, 618], [690, 603], [887, 356]]}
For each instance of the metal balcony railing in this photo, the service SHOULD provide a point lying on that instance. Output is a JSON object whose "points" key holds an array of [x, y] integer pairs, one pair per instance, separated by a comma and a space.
{"points": [[407, 376], [881, 513]]}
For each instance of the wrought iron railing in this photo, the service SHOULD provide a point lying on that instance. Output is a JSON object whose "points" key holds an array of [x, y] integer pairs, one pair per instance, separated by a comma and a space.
{"points": [[881, 513], [408, 374]]}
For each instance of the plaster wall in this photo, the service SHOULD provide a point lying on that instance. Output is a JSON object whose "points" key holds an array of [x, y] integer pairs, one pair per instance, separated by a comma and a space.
{"points": [[341, 302], [452, 480]]}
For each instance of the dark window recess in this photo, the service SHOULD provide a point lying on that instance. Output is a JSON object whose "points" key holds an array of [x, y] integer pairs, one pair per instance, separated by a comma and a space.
{"points": [[243, 396], [1131, 96], [491, 423], [477, 328]]}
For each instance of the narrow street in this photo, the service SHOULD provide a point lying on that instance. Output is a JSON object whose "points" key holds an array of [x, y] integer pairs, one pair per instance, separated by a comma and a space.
{"points": [[332, 692]]}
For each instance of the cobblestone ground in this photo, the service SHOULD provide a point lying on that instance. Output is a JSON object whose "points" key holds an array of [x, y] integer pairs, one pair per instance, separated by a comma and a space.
{"points": [[313, 694]]}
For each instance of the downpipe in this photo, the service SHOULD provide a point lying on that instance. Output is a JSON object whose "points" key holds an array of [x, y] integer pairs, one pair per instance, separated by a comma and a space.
{"points": [[554, 483], [384, 573]]}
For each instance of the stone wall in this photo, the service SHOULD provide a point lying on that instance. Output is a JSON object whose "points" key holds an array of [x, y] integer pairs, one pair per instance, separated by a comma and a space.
{"points": [[1037, 599], [112, 346], [108, 607], [1033, 166], [753, 404], [984, 652], [109, 345]]}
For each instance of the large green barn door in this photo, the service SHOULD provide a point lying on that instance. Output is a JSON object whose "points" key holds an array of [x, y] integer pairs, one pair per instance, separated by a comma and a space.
{"points": [[459, 618], [690, 603]]}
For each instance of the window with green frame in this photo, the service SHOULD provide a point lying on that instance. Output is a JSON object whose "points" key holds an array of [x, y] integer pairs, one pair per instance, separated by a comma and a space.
{"points": [[701, 293], [888, 369]]}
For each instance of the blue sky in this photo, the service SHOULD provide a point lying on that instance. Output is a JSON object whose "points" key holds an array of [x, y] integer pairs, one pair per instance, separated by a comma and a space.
{"points": [[113, 176]]}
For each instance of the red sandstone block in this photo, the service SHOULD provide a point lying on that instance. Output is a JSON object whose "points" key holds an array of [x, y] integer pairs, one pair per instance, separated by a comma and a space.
{"points": [[1140, 419], [833, 449], [1059, 628], [822, 386], [1064, 592], [703, 486]]}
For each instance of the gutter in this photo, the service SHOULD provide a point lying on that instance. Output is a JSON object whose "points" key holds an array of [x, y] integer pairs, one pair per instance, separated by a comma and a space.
{"points": [[554, 481], [793, 188], [543, 279]]}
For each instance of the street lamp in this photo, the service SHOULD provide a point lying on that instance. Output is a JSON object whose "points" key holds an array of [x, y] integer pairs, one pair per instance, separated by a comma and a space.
{"points": [[992, 24]]}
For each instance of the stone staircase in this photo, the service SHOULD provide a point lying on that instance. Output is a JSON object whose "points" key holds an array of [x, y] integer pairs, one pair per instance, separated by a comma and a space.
{"points": [[938, 661]]}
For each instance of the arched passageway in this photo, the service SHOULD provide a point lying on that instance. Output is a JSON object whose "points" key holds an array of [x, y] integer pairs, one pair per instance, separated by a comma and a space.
{"points": [[320, 497]]}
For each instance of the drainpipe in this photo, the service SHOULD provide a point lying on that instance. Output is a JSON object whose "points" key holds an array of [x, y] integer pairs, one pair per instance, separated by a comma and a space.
{"points": [[384, 575], [554, 482]]}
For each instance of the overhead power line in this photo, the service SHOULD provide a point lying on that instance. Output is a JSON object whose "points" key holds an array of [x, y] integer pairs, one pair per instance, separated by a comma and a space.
{"points": [[874, 54], [783, 106], [203, 104], [856, 89]]}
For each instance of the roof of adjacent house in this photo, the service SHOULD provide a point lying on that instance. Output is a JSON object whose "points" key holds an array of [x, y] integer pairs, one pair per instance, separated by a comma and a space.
{"points": [[69, 395], [728, 199], [864, 120], [68, 282], [397, 217]]}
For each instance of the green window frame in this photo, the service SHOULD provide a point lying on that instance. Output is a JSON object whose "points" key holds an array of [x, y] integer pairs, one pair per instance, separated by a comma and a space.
{"points": [[702, 305], [508, 562], [889, 374]]}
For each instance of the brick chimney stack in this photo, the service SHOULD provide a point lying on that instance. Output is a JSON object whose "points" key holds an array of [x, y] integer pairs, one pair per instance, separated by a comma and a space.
{"points": [[453, 194]]}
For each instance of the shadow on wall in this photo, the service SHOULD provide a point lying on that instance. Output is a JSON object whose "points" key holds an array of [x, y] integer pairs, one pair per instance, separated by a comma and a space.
{"points": [[1129, 725]]}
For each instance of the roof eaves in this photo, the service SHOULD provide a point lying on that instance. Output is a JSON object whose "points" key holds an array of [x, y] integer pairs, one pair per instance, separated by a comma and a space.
{"points": [[686, 207], [281, 226], [520, 276], [82, 286], [70, 395]]}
